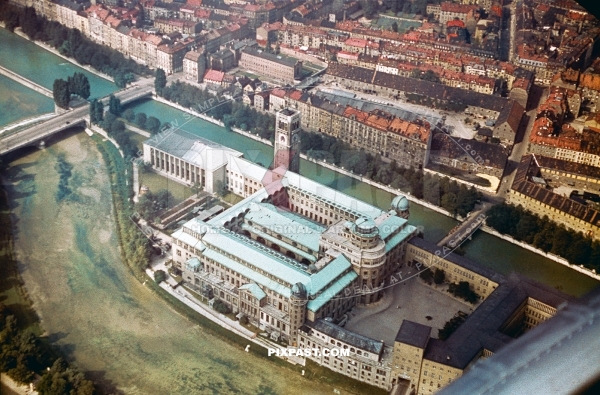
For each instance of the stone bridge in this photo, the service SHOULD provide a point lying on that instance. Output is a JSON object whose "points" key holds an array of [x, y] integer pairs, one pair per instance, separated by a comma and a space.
{"points": [[35, 135]]}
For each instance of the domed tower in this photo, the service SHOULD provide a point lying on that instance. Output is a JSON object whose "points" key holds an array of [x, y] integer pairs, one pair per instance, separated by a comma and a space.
{"points": [[372, 258], [401, 206], [298, 301]]}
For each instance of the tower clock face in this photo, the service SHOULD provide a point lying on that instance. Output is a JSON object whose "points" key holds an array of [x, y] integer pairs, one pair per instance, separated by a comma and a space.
{"points": [[295, 138], [282, 138]]}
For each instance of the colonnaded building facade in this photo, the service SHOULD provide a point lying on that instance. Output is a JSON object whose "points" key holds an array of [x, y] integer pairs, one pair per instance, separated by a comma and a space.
{"points": [[294, 256]]}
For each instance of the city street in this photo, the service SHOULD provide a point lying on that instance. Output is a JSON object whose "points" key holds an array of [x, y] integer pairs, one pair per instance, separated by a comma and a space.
{"points": [[538, 95]]}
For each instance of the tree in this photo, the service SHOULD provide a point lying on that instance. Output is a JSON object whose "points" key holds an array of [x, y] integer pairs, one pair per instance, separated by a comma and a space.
{"points": [[93, 114], [160, 276], [439, 276], [160, 81], [221, 307], [60, 91], [368, 7], [61, 379], [153, 125], [122, 78], [129, 115], [395, 26], [450, 326], [79, 85], [463, 290], [450, 203], [426, 275], [99, 111], [140, 120], [114, 105]]}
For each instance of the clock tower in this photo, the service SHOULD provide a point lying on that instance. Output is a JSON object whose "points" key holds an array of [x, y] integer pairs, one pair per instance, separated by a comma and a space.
{"points": [[287, 140]]}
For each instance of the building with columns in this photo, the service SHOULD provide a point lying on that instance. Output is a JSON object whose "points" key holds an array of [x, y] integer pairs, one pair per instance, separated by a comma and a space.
{"points": [[189, 159]]}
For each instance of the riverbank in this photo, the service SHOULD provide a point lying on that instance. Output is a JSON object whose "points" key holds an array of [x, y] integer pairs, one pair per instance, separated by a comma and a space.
{"points": [[555, 258], [211, 120], [48, 48]]}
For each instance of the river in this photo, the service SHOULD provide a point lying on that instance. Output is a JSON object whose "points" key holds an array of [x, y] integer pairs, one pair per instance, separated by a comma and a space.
{"points": [[109, 323]]}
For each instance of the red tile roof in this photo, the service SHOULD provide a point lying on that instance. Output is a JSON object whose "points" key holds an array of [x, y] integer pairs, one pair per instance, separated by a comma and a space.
{"points": [[214, 76]]}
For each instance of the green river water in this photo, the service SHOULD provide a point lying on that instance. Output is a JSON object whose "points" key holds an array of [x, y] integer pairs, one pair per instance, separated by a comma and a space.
{"points": [[105, 320]]}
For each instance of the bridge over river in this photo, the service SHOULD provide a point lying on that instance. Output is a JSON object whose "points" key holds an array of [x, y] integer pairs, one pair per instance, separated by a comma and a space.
{"points": [[465, 229], [74, 117]]}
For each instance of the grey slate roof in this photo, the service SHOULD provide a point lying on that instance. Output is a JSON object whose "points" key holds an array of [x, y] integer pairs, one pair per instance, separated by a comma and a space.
{"points": [[522, 183], [457, 148], [416, 86], [351, 338], [413, 334], [481, 329], [271, 57]]}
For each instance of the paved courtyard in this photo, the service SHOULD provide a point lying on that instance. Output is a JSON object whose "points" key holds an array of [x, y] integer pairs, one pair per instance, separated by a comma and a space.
{"points": [[411, 300]]}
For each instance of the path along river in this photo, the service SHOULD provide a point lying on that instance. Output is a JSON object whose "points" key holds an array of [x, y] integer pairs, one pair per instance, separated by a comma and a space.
{"points": [[109, 323]]}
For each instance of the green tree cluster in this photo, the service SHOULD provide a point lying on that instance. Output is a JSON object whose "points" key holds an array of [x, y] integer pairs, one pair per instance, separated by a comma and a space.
{"points": [[62, 379], [427, 275], [428, 75], [114, 105], [135, 247], [439, 276], [450, 326], [70, 42], [231, 112], [441, 191], [221, 307], [79, 85], [545, 234], [115, 128], [60, 91], [463, 290], [23, 356], [96, 112], [160, 81], [446, 105], [150, 204], [160, 276]]}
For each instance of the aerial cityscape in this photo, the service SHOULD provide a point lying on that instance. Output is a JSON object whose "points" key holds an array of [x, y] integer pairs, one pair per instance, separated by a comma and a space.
{"points": [[299, 197]]}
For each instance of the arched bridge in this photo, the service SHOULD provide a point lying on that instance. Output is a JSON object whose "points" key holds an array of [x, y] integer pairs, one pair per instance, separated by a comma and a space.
{"points": [[76, 117], [464, 230]]}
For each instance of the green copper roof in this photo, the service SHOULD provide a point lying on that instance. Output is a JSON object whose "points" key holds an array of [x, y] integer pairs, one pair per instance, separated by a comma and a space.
{"points": [[322, 278], [193, 263], [254, 290], [332, 291], [247, 272]]}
